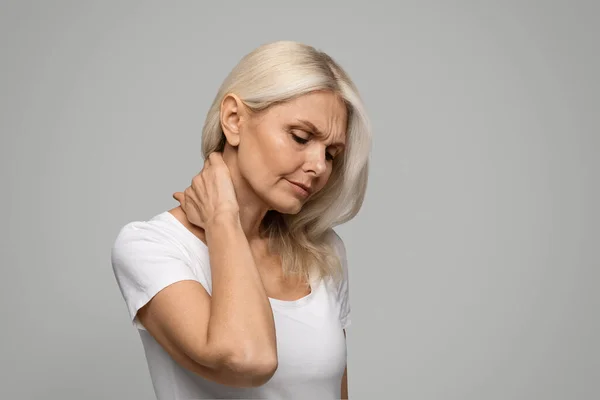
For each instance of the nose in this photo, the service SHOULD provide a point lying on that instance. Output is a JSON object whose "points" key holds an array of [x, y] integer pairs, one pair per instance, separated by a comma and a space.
{"points": [[316, 161]]}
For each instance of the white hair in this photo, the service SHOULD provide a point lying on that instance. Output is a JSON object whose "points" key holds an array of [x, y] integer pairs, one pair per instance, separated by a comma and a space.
{"points": [[277, 72]]}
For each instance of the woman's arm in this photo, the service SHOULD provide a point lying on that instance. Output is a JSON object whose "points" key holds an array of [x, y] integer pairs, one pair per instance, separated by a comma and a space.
{"points": [[241, 314], [345, 384], [228, 338], [345, 379]]}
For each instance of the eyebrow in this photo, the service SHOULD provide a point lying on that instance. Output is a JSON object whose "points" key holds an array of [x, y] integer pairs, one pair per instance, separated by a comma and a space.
{"points": [[316, 131]]}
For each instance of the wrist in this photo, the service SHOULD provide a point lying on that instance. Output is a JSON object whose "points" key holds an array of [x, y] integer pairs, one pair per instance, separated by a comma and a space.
{"points": [[224, 218]]}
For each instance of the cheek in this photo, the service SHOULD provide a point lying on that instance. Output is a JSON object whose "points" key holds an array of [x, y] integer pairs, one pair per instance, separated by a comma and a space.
{"points": [[279, 155], [279, 146], [266, 158]]}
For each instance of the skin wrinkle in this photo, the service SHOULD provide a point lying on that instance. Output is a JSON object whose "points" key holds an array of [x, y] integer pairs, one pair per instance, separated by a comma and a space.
{"points": [[263, 156]]}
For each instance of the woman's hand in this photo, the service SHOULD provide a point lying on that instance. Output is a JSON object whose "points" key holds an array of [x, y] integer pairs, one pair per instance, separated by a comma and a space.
{"points": [[210, 194]]}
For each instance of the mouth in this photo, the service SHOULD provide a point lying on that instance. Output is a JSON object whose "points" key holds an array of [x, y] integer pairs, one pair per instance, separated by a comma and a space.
{"points": [[301, 189]]}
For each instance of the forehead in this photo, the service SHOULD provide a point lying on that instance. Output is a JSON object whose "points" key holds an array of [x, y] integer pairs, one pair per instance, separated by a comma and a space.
{"points": [[326, 111]]}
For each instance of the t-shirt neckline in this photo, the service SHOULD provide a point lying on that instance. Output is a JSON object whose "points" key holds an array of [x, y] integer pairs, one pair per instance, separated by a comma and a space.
{"points": [[278, 302]]}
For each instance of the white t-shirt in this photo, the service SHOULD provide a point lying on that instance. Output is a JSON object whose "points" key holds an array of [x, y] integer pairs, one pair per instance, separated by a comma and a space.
{"points": [[147, 256]]}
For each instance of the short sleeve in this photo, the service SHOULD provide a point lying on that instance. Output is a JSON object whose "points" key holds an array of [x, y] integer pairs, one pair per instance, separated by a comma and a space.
{"points": [[343, 294], [145, 260]]}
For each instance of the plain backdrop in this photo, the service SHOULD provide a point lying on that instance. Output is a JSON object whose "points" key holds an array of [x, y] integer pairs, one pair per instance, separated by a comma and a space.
{"points": [[473, 263]]}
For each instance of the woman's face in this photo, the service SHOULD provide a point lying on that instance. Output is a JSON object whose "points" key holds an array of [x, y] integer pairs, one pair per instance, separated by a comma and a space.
{"points": [[290, 145]]}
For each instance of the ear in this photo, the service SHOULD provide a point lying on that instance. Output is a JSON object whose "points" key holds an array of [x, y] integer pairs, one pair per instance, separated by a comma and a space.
{"points": [[232, 110]]}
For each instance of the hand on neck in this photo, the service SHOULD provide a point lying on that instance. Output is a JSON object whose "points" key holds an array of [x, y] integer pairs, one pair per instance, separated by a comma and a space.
{"points": [[252, 208]]}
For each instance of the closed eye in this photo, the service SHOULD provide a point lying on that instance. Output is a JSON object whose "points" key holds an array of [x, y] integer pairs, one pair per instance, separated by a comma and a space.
{"points": [[301, 140]]}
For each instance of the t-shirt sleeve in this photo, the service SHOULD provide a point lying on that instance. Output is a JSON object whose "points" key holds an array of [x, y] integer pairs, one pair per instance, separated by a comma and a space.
{"points": [[344, 285], [145, 260]]}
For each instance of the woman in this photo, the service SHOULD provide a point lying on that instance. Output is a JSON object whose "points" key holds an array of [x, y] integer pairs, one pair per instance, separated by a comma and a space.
{"points": [[242, 290]]}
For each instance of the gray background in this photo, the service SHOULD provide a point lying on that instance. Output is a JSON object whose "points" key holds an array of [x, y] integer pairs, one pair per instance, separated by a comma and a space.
{"points": [[473, 264]]}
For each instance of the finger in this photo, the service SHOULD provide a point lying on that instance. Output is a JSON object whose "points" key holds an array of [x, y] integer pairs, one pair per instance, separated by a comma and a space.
{"points": [[204, 168], [193, 203], [177, 195], [198, 184], [180, 197], [215, 158]]}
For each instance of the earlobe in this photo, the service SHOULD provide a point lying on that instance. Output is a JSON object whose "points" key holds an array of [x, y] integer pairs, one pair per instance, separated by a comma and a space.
{"points": [[230, 118]]}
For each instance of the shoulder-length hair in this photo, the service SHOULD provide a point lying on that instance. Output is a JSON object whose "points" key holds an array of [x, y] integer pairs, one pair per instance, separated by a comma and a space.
{"points": [[277, 72]]}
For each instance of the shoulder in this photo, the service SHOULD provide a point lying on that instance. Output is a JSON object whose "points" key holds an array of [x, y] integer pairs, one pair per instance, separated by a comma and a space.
{"points": [[337, 244], [140, 231], [147, 238], [341, 290]]}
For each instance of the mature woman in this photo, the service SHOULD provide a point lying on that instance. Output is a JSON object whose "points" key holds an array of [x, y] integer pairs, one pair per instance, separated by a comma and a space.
{"points": [[242, 290]]}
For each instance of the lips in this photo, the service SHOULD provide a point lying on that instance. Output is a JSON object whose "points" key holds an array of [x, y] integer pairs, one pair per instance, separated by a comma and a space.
{"points": [[303, 186]]}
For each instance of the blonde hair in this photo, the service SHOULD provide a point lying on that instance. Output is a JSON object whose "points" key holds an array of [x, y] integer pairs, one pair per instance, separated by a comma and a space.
{"points": [[277, 72]]}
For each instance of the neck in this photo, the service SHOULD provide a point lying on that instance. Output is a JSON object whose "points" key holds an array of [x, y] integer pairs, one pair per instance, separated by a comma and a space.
{"points": [[252, 207]]}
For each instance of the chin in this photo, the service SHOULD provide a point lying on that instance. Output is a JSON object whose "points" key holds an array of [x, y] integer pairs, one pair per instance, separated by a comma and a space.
{"points": [[292, 206], [288, 210], [284, 202]]}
